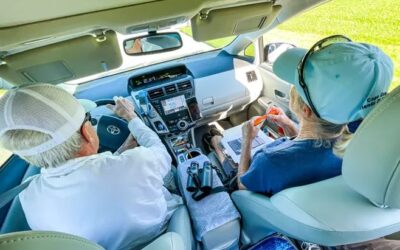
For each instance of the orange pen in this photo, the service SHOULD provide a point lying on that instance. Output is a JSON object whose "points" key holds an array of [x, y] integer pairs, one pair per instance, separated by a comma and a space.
{"points": [[261, 119]]}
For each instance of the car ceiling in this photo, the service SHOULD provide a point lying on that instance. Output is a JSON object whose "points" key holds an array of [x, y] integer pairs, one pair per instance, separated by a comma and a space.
{"points": [[28, 29], [23, 12], [25, 24]]}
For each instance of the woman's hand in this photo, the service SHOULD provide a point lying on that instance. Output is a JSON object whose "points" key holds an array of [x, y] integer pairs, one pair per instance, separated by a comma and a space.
{"points": [[249, 131], [122, 108], [280, 119], [283, 121]]}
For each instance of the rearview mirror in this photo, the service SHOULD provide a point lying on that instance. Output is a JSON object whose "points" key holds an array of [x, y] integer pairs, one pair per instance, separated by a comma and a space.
{"points": [[153, 43]]}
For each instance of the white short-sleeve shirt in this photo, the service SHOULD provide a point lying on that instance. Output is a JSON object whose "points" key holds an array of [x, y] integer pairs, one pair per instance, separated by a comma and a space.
{"points": [[116, 201]]}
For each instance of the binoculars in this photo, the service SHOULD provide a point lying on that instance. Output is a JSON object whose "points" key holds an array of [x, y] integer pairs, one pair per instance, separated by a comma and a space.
{"points": [[200, 178]]}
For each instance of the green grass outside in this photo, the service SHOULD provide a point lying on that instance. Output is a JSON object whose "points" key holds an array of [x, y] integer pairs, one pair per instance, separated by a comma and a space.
{"points": [[370, 21]]}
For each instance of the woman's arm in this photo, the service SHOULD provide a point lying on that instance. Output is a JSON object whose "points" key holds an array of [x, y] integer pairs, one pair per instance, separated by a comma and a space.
{"points": [[249, 132], [244, 163]]}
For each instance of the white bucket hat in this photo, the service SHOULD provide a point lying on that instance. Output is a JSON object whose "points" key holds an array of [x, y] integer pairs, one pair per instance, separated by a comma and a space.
{"points": [[44, 108]]}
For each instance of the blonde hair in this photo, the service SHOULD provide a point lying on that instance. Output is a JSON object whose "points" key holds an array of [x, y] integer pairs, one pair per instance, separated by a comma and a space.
{"points": [[21, 139], [328, 134]]}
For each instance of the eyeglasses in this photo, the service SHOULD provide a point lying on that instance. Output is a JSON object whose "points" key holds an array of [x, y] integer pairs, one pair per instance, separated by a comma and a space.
{"points": [[317, 47]]}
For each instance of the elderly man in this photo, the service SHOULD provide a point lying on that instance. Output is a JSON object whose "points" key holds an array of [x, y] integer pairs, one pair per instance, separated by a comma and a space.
{"points": [[117, 201]]}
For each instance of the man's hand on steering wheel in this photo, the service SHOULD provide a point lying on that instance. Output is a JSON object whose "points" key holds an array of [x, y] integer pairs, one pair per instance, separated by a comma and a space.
{"points": [[122, 108]]}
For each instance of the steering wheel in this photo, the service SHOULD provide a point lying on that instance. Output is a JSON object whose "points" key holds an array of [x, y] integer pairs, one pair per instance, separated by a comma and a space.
{"points": [[111, 130]]}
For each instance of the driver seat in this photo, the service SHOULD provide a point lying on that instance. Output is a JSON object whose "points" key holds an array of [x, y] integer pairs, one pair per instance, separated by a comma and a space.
{"points": [[361, 205], [14, 234]]}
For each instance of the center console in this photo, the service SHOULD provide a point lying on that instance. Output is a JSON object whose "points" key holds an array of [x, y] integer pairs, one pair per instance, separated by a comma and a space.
{"points": [[166, 100]]}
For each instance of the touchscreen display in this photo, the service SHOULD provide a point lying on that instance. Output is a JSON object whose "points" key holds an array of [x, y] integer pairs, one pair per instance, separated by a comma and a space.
{"points": [[174, 104]]}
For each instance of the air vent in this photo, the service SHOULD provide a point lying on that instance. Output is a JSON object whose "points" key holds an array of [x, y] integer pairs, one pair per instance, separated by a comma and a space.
{"points": [[251, 76], [184, 85], [170, 89], [155, 93]]}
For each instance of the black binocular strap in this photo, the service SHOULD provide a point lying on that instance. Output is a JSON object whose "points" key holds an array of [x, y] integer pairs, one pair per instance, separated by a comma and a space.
{"points": [[199, 195]]}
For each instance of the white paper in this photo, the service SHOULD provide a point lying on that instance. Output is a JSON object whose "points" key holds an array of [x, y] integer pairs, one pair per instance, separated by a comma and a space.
{"points": [[232, 142]]}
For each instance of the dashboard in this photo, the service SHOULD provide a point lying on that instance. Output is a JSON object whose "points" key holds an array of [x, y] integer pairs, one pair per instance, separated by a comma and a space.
{"points": [[167, 98], [150, 79], [174, 97]]}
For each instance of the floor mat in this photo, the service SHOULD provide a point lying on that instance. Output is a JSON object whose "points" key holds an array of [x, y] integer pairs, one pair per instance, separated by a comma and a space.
{"points": [[200, 131], [198, 136]]}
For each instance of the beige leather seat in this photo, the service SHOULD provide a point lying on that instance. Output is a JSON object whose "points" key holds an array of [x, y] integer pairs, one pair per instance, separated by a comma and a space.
{"points": [[361, 205], [47, 240], [36, 240]]}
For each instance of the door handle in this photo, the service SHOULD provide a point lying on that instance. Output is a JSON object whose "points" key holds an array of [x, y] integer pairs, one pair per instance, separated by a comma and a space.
{"points": [[281, 96]]}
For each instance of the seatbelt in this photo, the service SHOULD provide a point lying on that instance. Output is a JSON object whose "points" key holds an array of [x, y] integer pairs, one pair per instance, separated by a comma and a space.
{"points": [[9, 195]]}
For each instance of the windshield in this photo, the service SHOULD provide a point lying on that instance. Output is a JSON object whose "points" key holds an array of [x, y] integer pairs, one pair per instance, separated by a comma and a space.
{"points": [[190, 47]]}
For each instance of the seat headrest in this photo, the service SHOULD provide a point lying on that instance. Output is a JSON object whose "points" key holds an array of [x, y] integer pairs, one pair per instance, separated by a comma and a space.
{"points": [[371, 164]]}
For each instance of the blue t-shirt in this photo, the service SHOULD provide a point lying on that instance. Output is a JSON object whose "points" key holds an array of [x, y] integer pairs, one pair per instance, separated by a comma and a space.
{"points": [[287, 163]]}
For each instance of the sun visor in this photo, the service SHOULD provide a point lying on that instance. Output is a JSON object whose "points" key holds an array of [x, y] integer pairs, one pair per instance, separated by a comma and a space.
{"points": [[217, 23], [63, 61]]}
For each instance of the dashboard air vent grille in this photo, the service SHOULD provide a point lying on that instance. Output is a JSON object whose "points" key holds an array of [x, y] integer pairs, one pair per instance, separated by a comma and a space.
{"points": [[156, 93], [251, 76], [184, 85], [170, 89]]}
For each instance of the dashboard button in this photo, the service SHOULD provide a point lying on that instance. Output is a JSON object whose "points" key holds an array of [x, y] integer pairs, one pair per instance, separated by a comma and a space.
{"points": [[159, 126], [182, 125]]}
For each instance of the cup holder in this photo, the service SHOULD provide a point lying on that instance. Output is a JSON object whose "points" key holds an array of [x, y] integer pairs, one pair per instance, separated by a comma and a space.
{"points": [[192, 154]]}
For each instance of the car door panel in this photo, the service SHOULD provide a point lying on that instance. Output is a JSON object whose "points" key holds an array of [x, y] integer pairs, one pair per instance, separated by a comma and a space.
{"points": [[275, 93], [275, 89]]}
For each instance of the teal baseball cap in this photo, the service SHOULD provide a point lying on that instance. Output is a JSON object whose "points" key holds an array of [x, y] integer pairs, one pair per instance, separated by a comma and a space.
{"points": [[344, 80]]}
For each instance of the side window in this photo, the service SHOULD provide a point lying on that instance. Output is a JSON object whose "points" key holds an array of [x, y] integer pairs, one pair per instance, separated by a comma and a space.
{"points": [[248, 51], [273, 50], [4, 154]]}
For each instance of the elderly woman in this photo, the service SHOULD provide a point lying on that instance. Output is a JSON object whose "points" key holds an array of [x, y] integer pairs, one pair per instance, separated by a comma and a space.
{"points": [[336, 82]]}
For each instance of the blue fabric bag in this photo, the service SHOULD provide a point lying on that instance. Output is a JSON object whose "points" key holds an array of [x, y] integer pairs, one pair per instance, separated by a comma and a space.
{"points": [[274, 242]]}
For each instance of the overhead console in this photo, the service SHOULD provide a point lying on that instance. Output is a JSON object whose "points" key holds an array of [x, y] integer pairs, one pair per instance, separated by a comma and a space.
{"points": [[166, 98]]}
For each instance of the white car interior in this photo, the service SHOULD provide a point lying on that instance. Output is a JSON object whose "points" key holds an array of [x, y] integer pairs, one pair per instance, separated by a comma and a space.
{"points": [[60, 42]]}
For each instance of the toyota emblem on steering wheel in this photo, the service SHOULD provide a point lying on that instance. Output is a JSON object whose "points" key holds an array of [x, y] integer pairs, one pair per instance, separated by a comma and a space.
{"points": [[113, 130]]}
